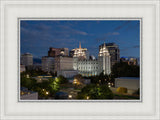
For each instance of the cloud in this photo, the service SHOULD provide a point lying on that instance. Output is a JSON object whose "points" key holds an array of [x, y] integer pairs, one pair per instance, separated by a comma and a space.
{"points": [[122, 26], [38, 33], [128, 48], [43, 27], [80, 32], [135, 26], [108, 35], [115, 33], [66, 29]]}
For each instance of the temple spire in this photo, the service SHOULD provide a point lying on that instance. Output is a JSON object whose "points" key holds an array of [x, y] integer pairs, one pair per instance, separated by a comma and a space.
{"points": [[104, 45], [80, 45]]}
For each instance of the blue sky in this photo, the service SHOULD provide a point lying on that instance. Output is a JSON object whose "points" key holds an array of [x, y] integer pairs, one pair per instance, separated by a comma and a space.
{"points": [[36, 36]]}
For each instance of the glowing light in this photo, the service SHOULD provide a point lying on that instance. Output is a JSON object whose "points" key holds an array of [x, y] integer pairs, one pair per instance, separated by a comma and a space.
{"points": [[22, 93], [75, 81], [70, 96], [47, 93], [27, 76], [87, 97]]}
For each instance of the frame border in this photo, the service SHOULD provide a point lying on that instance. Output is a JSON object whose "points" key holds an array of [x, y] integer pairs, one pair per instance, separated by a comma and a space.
{"points": [[83, 19], [155, 115]]}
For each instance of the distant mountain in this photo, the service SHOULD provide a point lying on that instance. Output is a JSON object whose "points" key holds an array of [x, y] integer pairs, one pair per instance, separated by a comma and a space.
{"points": [[37, 61]]}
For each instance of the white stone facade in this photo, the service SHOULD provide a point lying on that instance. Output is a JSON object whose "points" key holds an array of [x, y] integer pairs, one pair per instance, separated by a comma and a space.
{"points": [[88, 67], [94, 67]]}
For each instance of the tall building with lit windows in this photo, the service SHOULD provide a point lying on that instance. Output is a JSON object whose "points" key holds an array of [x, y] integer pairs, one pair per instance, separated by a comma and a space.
{"points": [[92, 67]]}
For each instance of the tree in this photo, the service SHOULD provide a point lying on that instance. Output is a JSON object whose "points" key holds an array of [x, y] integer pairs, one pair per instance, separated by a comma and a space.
{"points": [[27, 82], [103, 79], [94, 91], [78, 80], [53, 86], [33, 72], [122, 69], [61, 79]]}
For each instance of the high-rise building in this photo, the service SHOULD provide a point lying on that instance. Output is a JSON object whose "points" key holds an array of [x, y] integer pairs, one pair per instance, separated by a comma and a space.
{"points": [[26, 59], [64, 66], [54, 52], [48, 64], [63, 63], [113, 51], [81, 53]]}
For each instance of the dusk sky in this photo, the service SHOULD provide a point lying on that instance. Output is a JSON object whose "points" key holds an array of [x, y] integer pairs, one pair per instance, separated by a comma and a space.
{"points": [[36, 36]]}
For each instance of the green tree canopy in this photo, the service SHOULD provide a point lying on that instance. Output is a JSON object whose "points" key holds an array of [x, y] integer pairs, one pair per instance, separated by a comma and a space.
{"points": [[61, 79], [122, 69], [94, 91]]}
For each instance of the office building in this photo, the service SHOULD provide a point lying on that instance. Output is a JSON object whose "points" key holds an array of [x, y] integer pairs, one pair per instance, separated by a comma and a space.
{"points": [[54, 52], [63, 63], [26, 59], [48, 64]]}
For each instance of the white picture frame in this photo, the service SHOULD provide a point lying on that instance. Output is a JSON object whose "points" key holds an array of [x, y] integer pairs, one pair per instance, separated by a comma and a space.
{"points": [[147, 108]]}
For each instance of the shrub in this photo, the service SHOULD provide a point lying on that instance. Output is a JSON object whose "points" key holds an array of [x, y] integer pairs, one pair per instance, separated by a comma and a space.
{"points": [[122, 90]]}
